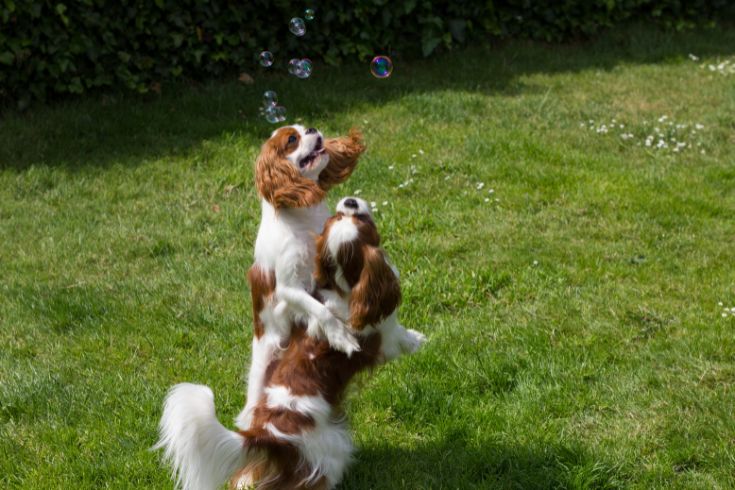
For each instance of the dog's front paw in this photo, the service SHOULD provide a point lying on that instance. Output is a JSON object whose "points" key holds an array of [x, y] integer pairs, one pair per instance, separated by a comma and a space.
{"points": [[412, 341], [341, 338]]}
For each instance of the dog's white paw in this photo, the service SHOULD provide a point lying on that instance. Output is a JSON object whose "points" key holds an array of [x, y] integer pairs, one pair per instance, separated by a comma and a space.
{"points": [[341, 338], [412, 341]]}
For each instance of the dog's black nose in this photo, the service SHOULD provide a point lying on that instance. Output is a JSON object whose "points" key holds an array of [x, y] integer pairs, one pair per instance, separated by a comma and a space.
{"points": [[311, 131], [351, 203]]}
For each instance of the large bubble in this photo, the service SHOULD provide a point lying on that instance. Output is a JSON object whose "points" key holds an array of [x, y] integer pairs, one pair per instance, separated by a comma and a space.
{"points": [[381, 66], [300, 68], [266, 58], [274, 114], [297, 26]]}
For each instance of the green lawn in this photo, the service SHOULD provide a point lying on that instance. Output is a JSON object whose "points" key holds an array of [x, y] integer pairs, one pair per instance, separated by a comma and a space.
{"points": [[568, 276]]}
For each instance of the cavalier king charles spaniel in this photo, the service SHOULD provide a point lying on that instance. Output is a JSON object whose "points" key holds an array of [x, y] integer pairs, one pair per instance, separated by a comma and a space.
{"points": [[295, 169], [298, 438]]}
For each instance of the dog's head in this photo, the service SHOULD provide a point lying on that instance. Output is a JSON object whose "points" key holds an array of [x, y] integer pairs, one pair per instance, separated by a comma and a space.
{"points": [[349, 259], [296, 165]]}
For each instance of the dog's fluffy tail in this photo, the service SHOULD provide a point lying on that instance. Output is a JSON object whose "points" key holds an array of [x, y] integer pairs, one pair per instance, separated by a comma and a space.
{"points": [[202, 452]]}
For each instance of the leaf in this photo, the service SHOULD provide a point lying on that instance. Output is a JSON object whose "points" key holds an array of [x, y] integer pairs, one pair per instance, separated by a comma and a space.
{"points": [[7, 58], [428, 45]]}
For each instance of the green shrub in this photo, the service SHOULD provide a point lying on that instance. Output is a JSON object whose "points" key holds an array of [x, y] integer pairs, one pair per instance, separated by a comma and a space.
{"points": [[48, 48]]}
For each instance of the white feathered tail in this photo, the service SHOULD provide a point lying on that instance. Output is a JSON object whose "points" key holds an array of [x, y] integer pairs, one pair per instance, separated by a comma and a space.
{"points": [[201, 451]]}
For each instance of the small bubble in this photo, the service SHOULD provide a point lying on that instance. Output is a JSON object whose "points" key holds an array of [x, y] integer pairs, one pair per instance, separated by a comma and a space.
{"points": [[266, 58], [305, 67], [309, 14], [294, 66], [270, 98], [297, 26], [381, 66]]}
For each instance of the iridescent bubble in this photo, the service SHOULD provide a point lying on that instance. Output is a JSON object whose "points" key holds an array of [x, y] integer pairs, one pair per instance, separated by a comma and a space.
{"points": [[297, 26], [309, 14], [381, 66], [305, 68], [294, 66], [280, 112], [270, 98], [275, 114], [266, 58]]}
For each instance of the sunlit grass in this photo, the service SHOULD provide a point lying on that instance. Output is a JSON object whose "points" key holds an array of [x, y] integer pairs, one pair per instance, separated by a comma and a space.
{"points": [[568, 278]]}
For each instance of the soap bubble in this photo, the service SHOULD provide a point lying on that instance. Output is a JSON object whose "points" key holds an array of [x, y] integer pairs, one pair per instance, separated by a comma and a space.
{"points": [[300, 68], [270, 98], [309, 14], [381, 66], [297, 26], [305, 68], [266, 58], [274, 114], [294, 66]]}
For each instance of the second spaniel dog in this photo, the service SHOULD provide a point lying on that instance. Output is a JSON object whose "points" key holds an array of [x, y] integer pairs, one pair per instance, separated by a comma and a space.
{"points": [[298, 438]]}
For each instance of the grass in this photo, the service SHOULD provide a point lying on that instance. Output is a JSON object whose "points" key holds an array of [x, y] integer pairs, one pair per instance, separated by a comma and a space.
{"points": [[576, 339]]}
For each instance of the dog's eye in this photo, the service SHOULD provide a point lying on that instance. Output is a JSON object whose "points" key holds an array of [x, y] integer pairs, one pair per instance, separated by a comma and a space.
{"points": [[292, 139]]}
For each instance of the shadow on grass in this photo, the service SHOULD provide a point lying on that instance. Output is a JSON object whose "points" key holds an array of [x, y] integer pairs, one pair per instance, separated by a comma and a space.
{"points": [[127, 129], [456, 463]]}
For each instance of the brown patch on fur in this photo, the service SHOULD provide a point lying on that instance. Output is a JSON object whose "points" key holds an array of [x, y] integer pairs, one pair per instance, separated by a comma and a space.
{"points": [[343, 155], [325, 267], [274, 464], [262, 286], [287, 421], [310, 367], [277, 181]]}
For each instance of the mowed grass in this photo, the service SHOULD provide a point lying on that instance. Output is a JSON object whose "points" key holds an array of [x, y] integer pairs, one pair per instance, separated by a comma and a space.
{"points": [[568, 279]]}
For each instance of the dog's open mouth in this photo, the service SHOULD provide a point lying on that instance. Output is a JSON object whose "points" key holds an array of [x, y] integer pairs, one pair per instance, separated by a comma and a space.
{"points": [[309, 159]]}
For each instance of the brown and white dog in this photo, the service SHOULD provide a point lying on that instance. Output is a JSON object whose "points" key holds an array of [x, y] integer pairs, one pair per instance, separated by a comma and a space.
{"points": [[295, 169], [298, 438]]}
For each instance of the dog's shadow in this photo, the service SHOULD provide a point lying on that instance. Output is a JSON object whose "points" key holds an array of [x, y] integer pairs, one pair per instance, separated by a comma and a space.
{"points": [[455, 462]]}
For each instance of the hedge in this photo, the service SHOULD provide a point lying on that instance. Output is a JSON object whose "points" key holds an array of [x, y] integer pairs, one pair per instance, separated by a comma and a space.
{"points": [[52, 48]]}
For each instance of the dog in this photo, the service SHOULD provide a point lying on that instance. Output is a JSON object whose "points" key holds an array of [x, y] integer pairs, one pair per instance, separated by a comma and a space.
{"points": [[298, 438], [295, 169]]}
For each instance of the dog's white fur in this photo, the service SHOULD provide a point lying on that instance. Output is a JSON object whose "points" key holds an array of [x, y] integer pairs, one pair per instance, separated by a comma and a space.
{"points": [[285, 244], [204, 454]]}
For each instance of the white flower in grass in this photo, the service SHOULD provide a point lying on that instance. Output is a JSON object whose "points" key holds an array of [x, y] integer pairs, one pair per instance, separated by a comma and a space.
{"points": [[490, 191], [699, 126], [535, 263], [447, 177], [413, 156], [421, 152], [693, 57], [373, 204], [357, 192], [385, 203], [487, 199], [724, 315], [719, 303], [480, 185], [391, 167]]}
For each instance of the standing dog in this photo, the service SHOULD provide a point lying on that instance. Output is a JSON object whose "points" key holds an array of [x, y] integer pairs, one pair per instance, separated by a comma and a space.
{"points": [[295, 169], [298, 438]]}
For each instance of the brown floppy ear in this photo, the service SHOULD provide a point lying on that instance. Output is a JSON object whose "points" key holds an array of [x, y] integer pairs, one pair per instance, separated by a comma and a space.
{"points": [[281, 184], [377, 293], [343, 154]]}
